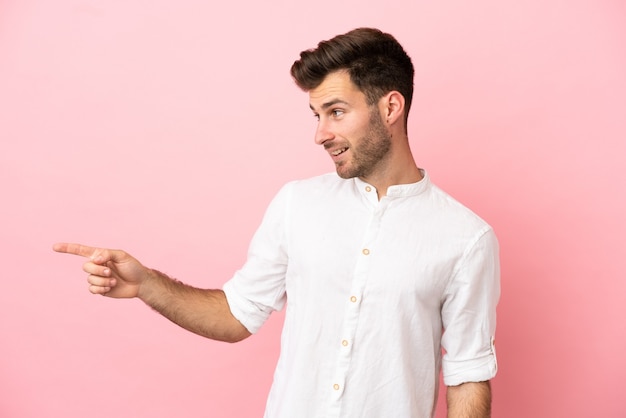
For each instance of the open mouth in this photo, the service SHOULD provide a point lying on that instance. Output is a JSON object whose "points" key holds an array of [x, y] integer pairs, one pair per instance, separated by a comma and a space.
{"points": [[338, 151]]}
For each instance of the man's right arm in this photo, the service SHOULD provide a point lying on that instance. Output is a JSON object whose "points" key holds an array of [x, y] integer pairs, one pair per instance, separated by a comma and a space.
{"points": [[115, 273], [202, 311]]}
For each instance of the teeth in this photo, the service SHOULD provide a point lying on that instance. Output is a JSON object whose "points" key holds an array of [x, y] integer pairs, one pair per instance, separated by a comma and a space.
{"points": [[339, 151]]}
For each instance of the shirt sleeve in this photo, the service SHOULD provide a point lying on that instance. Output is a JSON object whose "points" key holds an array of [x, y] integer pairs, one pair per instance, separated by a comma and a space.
{"points": [[469, 314], [258, 288]]}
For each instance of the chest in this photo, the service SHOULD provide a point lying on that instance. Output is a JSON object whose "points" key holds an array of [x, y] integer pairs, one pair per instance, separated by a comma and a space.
{"points": [[393, 253]]}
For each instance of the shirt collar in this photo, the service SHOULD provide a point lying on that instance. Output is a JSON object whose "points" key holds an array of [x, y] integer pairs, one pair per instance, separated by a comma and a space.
{"points": [[398, 190]]}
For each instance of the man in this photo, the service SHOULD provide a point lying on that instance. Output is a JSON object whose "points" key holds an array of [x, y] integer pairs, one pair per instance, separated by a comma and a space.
{"points": [[378, 268]]}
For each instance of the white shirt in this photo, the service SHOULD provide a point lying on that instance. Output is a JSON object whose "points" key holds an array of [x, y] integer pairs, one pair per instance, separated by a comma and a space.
{"points": [[371, 285]]}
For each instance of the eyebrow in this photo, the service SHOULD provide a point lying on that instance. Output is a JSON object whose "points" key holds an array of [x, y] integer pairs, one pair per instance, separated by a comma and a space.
{"points": [[330, 103]]}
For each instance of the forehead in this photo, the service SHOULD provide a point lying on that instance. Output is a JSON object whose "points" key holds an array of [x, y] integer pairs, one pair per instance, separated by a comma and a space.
{"points": [[337, 86]]}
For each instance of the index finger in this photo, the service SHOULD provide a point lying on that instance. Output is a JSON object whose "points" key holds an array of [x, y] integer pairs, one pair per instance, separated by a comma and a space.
{"points": [[76, 249]]}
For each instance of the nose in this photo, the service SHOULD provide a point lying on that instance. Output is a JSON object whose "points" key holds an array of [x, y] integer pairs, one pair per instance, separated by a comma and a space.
{"points": [[322, 133]]}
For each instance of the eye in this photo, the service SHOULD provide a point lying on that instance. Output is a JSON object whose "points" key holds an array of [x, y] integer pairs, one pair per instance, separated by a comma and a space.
{"points": [[337, 112], [316, 116]]}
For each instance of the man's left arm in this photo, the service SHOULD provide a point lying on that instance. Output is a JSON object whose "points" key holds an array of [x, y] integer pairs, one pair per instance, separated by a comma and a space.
{"points": [[469, 319], [469, 400]]}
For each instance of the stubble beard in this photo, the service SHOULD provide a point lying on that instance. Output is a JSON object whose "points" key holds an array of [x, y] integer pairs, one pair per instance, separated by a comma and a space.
{"points": [[370, 152]]}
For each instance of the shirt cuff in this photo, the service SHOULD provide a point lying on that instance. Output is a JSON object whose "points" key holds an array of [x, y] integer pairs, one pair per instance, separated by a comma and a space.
{"points": [[251, 315], [479, 369]]}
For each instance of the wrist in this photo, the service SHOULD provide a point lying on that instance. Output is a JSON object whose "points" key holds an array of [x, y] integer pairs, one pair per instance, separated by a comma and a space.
{"points": [[146, 287]]}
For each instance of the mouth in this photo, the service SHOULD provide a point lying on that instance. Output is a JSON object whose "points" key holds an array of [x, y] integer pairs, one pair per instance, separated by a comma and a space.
{"points": [[338, 151]]}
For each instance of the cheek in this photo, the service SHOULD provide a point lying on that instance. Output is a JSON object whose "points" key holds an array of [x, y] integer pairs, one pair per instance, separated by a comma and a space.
{"points": [[356, 130]]}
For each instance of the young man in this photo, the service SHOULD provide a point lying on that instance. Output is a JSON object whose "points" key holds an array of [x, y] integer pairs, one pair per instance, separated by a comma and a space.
{"points": [[380, 268]]}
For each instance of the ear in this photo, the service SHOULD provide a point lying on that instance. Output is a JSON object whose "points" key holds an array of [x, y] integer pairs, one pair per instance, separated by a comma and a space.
{"points": [[391, 107]]}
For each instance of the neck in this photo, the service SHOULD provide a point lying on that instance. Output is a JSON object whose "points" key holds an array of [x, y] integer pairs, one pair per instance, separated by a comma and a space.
{"points": [[398, 168]]}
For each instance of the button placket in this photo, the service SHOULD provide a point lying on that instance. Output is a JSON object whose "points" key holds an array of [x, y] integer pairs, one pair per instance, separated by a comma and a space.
{"points": [[346, 343]]}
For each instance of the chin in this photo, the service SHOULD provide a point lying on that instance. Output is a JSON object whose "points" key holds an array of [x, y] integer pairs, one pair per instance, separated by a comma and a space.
{"points": [[347, 171], [347, 174]]}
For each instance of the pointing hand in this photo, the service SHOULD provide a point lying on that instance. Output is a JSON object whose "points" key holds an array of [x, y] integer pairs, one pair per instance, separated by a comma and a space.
{"points": [[113, 273]]}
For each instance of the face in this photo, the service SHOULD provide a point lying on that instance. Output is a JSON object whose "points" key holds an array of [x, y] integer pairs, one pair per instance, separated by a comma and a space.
{"points": [[351, 131]]}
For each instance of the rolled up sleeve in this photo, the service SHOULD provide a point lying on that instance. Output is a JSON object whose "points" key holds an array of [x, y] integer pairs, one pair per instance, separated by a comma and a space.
{"points": [[258, 288], [469, 314]]}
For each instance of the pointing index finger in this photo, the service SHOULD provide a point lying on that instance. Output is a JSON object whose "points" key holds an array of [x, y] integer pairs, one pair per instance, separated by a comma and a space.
{"points": [[76, 249]]}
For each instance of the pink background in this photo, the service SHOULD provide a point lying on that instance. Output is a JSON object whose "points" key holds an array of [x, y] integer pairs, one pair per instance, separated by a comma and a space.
{"points": [[165, 128]]}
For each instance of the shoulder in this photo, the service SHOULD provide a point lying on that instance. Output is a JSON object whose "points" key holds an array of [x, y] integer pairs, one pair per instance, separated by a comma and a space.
{"points": [[323, 180], [457, 218], [324, 184]]}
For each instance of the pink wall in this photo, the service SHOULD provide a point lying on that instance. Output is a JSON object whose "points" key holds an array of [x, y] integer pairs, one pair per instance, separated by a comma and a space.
{"points": [[165, 127]]}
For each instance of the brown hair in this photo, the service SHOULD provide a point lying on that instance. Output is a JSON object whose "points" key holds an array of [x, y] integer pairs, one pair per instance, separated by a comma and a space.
{"points": [[376, 62]]}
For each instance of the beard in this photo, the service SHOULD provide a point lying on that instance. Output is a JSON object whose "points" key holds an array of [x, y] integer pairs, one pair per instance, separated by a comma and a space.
{"points": [[370, 151]]}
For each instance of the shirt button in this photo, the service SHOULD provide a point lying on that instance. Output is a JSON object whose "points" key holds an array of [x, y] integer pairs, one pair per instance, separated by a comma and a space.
{"points": [[368, 189], [336, 386], [344, 343], [366, 251], [352, 299]]}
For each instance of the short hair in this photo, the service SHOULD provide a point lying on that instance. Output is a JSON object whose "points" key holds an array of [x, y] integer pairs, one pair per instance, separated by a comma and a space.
{"points": [[375, 61]]}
